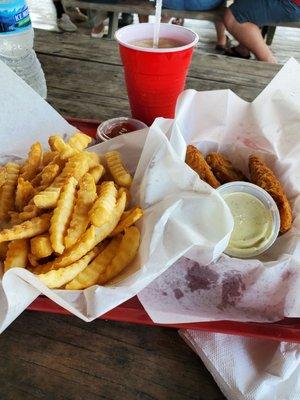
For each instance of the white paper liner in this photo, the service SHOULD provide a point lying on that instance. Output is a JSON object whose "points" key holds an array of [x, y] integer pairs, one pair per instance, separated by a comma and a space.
{"points": [[180, 210], [264, 289]]}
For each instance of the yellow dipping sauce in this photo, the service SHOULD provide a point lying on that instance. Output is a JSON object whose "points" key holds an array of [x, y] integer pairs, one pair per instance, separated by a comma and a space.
{"points": [[253, 224]]}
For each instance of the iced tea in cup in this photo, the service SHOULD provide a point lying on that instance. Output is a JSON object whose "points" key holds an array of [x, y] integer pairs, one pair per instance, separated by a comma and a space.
{"points": [[155, 76]]}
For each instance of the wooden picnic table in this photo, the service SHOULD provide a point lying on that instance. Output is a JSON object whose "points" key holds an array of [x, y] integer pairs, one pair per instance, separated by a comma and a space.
{"points": [[85, 76], [47, 356]]}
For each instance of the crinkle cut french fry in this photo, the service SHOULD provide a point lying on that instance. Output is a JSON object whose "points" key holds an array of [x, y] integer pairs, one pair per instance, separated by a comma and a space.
{"points": [[61, 215], [125, 255], [93, 159], [80, 217], [7, 193], [49, 173], [49, 156], [24, 193], [30, 211], [46, 176], [32, 164], [27, 229], [77, 166], [47, 198], [128, 195], [89, 276], [57, 143], [79, 141], [132, 216], [2, 176], [3, 250], [33, 260], [17, 253], [104, 205], [41, 246], [88, 240], [97, 172], [59, 161], [86, 243], [117, 169], [59, 277]]}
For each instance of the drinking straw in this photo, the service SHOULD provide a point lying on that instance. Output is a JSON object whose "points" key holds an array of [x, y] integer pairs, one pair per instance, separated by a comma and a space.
{"points": [[157, 23]]}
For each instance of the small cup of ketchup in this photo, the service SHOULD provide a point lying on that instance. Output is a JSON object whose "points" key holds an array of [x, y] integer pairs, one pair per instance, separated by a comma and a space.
{"points": [[118, 126]]}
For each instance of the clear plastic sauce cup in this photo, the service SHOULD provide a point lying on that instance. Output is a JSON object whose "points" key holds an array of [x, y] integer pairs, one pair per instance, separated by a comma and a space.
{"points": [[252, 207], [118, 126]]}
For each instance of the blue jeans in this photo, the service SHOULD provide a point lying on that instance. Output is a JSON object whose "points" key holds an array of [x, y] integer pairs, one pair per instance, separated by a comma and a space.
{"points": [[264, 12], [192, 5]]}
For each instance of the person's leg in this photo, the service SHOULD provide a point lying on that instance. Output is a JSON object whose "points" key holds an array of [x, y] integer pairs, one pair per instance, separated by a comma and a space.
{"points": [[221, 35], [76, 14], [244, 18], [96, 19], [63, 20], [59, 8], [173, 5], [165, 19], [126, 19], [207, 5], [249, 37], [143, 18]]}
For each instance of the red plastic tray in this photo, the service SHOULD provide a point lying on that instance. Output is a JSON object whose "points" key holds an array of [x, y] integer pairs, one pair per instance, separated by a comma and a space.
{"points": [[132, 310]]}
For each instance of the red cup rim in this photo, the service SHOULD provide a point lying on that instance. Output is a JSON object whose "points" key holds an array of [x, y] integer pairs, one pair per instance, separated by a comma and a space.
{"points": [[155, 50]]}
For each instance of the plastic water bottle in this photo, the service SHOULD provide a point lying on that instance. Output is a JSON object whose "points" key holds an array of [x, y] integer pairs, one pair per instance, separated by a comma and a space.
{"points": [[16, 44]]}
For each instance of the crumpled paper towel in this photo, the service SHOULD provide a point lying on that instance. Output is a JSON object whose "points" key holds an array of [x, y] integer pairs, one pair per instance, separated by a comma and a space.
{"points": [[247, 368]]}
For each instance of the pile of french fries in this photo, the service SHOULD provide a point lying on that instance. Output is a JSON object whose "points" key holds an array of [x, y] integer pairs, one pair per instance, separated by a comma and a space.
{"points": [[64, 214]]}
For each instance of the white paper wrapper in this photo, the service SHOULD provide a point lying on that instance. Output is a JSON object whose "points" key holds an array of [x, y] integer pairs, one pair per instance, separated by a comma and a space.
{"points": [[264, 289], [180, 210]]}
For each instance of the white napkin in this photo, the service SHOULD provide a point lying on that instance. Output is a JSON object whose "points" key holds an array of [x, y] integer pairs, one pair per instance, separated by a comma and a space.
{"points": [[247, 368]]}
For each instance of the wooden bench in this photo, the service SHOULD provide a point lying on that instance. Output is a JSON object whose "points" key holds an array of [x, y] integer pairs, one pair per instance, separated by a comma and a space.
{"points": [[146, 7], [143, 7], [269, 31]]}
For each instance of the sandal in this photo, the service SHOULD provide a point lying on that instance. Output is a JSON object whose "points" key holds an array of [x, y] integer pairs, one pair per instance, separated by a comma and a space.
{"points": [[178, 21], [223, 47], [98, 33], [232, 52]]}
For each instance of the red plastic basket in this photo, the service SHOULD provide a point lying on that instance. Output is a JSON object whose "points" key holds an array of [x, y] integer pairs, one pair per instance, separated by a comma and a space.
{"points": [[133, 311]]}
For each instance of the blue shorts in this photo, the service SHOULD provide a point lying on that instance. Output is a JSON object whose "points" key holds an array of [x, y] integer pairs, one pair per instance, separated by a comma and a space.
{"points": [[265, 12], [192, 5]]}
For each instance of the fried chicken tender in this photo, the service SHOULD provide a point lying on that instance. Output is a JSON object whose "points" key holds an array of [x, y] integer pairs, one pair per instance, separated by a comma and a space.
{"points": [[196, 161], [2, 176], [223, 168], [262, 176]]}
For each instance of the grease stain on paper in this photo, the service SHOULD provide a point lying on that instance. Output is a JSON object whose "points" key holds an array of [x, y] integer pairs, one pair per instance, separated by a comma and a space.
{"points": [[178, 293], [201, 277], [233, 287]]}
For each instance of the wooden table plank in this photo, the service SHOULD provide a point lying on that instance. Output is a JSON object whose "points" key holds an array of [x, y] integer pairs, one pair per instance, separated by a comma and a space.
{"points": [[83, 47], [84, 105], [73, 103], [76, 46], [45, 356], [87, 88], [98, 65]]}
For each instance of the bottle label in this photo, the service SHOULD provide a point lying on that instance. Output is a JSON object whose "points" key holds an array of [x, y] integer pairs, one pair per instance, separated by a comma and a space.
{"points": [[14, 17]]}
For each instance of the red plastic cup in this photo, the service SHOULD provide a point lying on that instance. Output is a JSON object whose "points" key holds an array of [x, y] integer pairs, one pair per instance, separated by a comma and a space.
{"points": [[155, 77]]}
